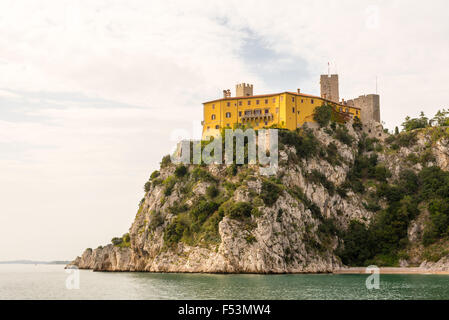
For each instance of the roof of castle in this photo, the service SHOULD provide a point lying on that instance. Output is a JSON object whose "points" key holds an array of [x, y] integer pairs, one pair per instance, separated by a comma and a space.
{"points": [[275, 94]]}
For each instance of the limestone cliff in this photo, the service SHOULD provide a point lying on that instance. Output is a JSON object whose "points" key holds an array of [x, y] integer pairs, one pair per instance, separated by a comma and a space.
{"points": [[230, 219]]}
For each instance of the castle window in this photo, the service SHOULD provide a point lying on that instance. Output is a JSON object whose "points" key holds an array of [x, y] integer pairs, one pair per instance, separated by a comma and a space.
{"points": [[249, 102], [311, 101], [302, 100], [293, 110], [274, 100], [228, 104], [208, 128], [240, 103], [266, 123], [257, 112], [240, 113], [248, 112], [227, 125], [257, 101], [266, 101], [213, 117], [228, 114], [293, 99], [347, 110], [267, 110], [217, 127]]}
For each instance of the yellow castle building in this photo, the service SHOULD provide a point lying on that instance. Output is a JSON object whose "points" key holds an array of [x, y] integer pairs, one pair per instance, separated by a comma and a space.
{"points": [[288, 110]]}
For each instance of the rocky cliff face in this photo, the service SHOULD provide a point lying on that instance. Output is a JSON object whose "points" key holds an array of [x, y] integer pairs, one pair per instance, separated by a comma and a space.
{"points": [[229, 219]]}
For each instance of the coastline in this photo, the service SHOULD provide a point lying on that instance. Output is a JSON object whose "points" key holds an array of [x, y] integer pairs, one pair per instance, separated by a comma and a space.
{"points": [[392, 270]]}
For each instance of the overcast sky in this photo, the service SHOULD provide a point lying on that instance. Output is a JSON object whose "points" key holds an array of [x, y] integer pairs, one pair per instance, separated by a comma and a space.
{"points": [[94, 93]]}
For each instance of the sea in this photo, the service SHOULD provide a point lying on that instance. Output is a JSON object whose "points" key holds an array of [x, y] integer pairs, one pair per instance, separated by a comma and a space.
{"points": [[47, 282]]}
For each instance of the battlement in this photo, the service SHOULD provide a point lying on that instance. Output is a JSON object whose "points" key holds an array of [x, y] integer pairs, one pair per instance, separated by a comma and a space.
{"points": [[369, 105], [243, 90], [329, 87]]}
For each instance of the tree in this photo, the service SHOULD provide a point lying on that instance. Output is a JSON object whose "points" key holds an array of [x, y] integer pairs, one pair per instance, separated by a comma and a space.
{"points": [[396, 130], [416, 123], [323, 115], [441, 118]]}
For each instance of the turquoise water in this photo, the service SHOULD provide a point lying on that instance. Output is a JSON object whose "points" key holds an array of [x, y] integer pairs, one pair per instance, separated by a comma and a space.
{"points": [[49, 282]]}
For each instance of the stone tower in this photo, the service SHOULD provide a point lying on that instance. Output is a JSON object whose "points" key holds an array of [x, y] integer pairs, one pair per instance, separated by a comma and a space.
{"points": [[329, 87], [243, 90], [369, 105]]}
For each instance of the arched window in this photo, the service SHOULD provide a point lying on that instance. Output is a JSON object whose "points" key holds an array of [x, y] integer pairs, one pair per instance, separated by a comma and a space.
{"points": [[213, 117], [228, 114]]}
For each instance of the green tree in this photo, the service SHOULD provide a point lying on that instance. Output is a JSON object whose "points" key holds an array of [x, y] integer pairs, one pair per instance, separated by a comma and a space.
{"points": [[441, 118], [323, 115], [416, 123]]}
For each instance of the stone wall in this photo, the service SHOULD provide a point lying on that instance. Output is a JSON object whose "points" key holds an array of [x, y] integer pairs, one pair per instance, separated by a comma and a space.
{"points": [[369, 105], [329, 87]]}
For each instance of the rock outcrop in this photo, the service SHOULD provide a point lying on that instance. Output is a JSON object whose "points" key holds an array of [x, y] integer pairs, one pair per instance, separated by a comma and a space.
{"points": [[286, 235]]}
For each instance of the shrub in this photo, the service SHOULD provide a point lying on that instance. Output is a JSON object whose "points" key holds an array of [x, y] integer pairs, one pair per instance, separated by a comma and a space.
{"points": [[154, 175], [357, 124], [415, 123], [116, 241], [250, 239], [123, 242], [147, 186], [357, 245], [239, 210], [199, 174], [408, 181], [406, 139], [332, 154], [178, 208], [318, 177], [270, 192], [232, 170], [166, 161], [323, 114], [156, 220], [343, 136], [212, 191], [203, 209], [169, 184], [181, 171], [438, 225], [381, 173], [174, 231], [304, 141], [297, 193]]}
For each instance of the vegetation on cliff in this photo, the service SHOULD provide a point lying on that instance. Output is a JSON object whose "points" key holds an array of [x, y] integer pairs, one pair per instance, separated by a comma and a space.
{"points": [[340, 194]]}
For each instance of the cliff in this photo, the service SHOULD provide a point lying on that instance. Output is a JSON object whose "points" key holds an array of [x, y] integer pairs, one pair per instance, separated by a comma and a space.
{"points": [[336, 194]]}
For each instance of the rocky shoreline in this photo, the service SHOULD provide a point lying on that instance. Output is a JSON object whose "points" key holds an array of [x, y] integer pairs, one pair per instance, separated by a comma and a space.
{"points": [[210, 219]]}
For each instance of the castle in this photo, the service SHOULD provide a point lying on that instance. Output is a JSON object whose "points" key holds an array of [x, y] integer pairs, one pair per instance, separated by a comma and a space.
{"points": [[288, 110]]}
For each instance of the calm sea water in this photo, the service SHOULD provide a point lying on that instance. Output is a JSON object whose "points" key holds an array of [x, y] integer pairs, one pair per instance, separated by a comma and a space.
{"points": [[49, 282]]}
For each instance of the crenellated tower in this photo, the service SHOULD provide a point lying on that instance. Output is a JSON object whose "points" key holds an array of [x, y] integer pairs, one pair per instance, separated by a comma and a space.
{"points": [[329, 87]]}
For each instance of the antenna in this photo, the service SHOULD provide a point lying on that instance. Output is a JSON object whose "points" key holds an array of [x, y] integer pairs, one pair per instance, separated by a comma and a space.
{"points": [[376, 84]]}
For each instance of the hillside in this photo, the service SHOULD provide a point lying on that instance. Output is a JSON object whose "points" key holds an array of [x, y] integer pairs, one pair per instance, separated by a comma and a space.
{"points": [[340, 197]]}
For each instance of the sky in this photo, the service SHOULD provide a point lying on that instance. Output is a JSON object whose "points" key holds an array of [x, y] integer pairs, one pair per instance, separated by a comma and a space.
{"points": [[94, 93]]}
